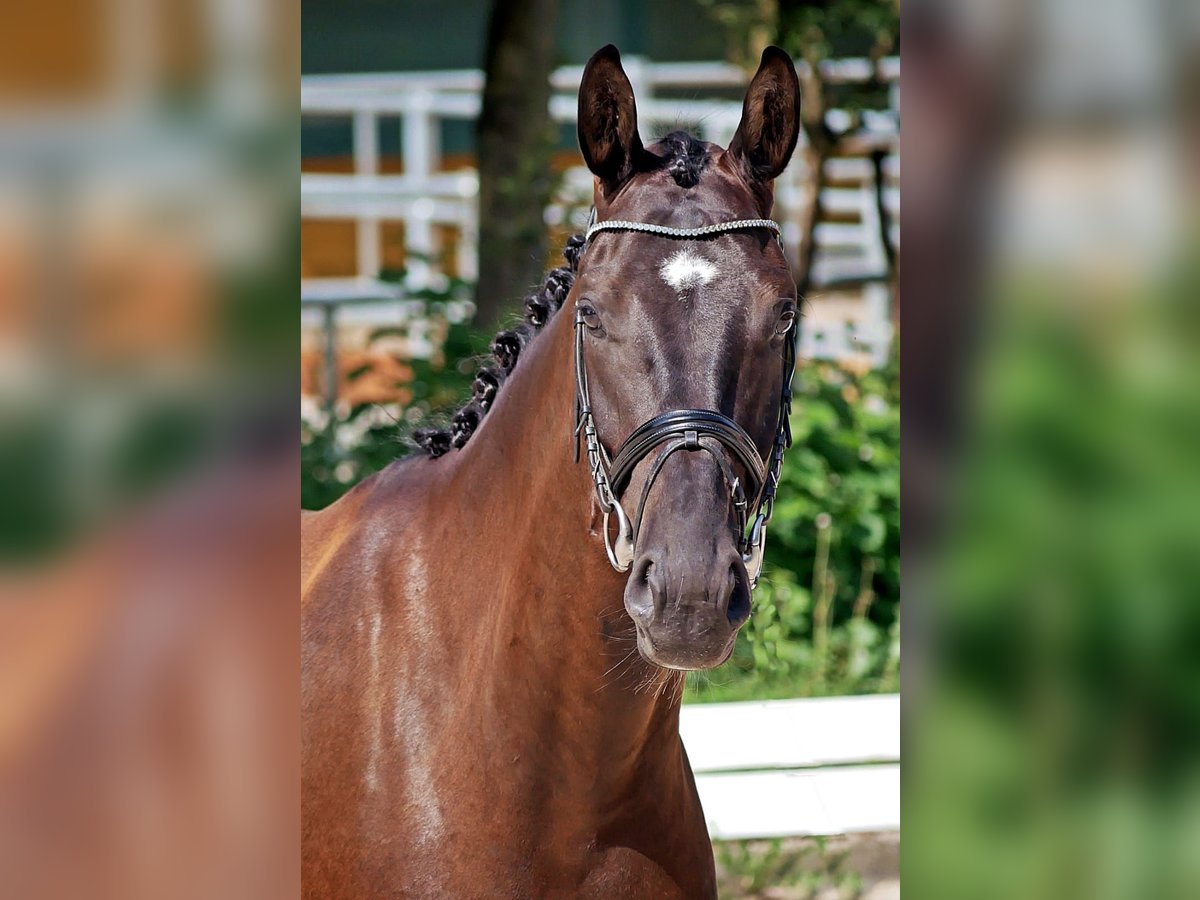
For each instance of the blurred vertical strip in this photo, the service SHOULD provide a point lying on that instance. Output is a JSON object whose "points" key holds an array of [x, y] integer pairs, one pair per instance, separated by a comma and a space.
{"points": [[1051, 432], [148, 472]]}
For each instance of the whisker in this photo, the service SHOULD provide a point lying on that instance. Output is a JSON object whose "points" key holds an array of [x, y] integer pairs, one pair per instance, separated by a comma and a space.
{"points": [[614, 665], [603, 683]]}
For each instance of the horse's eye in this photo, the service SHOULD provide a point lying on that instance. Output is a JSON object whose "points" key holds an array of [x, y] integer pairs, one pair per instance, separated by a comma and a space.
{"points": [[586, 313], [787, 319]]}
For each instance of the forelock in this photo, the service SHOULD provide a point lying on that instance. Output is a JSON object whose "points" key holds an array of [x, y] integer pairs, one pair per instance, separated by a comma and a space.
{"points": [[686, 158]]}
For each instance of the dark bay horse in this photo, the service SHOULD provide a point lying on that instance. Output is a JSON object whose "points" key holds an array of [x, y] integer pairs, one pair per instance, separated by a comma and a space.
{"points": [[495, 635]]}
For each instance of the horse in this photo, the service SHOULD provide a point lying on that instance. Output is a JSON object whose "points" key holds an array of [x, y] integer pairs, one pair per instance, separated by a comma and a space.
{"points": [[494, 638]]}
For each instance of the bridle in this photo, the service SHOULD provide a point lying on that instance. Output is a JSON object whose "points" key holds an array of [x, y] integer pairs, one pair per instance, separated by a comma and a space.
{"points": [[684, 429]]}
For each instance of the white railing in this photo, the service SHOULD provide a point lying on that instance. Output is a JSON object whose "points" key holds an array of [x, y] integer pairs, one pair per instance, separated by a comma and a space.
{"points": [[424, 197], [780, 768]]}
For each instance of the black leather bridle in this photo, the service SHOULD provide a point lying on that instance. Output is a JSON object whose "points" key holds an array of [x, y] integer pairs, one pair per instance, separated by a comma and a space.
{"points": [[684, 429]]}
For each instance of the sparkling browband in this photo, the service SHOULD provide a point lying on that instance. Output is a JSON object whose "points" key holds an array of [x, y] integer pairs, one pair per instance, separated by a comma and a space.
{"points": [[668, 231]]}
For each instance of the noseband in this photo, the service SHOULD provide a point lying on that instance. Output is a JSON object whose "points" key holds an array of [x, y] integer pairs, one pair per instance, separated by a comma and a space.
{"points": [[684, 429]]}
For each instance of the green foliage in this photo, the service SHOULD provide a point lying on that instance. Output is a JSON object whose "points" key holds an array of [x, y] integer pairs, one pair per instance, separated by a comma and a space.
{"points": [[368, 437], [844, 463], [800, 868], [817, 31], [813, 32], [810, 31], [1065, 712], [61, 475]]}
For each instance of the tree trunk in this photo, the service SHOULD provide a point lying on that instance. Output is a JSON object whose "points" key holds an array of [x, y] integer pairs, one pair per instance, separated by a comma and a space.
{"points": [[515, 143]]}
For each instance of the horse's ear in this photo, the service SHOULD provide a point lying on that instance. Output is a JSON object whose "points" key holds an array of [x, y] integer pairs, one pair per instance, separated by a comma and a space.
{"points": [[770, 124], [608, 135]]}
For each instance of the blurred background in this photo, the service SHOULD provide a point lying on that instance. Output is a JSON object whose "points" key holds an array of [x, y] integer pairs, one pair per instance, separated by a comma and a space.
{"points": [[1051, 689], [148, 253]]}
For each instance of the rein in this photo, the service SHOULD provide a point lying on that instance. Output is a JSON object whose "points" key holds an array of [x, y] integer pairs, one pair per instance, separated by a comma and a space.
{"points": [[684, 429]]}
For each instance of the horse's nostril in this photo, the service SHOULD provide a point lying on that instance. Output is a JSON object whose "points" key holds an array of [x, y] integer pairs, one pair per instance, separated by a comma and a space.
{"points": [[644, 570], [641, 599], [739, 598]]}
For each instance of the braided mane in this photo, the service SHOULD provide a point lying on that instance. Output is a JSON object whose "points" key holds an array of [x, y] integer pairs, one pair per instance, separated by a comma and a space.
{"points": [[506, 349]]}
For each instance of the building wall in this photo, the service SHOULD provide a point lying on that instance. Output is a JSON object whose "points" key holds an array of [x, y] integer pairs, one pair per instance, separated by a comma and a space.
{"points": [[386, 35]]}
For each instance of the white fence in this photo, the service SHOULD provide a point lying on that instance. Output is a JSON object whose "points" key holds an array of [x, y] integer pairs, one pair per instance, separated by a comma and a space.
{"points": [[424, 197], [780, 768]]}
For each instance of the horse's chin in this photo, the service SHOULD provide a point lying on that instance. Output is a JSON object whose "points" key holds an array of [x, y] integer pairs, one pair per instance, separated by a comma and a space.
{"points": [[688, 656]]}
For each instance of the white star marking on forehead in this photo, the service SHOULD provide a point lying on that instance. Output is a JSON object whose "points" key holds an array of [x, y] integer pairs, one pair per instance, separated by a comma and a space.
{"points": [[685, 270]]}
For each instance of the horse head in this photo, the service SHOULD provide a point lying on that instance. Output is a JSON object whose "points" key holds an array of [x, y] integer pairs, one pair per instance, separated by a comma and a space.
{"points": [[684, 302]]}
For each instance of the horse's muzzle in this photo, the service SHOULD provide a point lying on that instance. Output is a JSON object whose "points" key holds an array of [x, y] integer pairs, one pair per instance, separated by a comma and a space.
{"points": [[687, 611]]}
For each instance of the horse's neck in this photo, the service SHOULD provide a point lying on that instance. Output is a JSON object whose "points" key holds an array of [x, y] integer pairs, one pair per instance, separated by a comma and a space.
{"points": [[549, 612]]}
